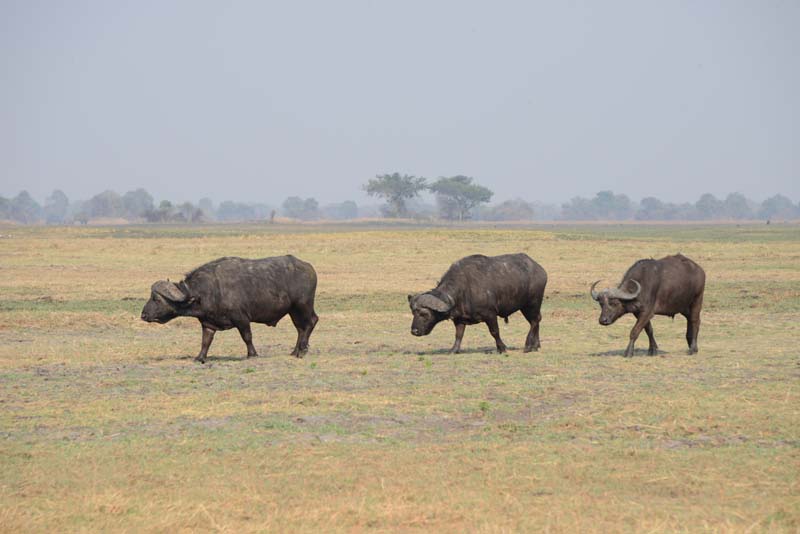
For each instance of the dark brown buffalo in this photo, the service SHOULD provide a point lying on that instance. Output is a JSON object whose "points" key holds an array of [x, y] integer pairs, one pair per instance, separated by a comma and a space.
{"points": [[234, 292], [669, 286], [478, 289]]}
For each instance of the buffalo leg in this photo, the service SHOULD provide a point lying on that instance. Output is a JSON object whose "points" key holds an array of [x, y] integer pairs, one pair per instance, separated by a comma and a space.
{"points": [[460, 327], [307, 333], [534, 317], [304, 321], [635, 331], [693, 325], [495, 331], [247, 337], [653, 349], [688, 331], [208, 337]]}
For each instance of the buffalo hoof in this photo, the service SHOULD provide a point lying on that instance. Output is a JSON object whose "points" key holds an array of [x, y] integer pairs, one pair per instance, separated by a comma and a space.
{"points": [[254, 355], [299, 353], [501, 350], [199, 359], [531, 349]]}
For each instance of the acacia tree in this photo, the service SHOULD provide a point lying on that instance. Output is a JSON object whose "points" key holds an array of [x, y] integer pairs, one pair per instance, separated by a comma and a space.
{"points": [[396, 189], [458, 195]]}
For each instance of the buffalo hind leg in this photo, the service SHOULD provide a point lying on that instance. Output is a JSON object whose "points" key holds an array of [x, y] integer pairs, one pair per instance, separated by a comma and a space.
{"points": [[208, 337], [635, 331], [304, 321], [534, 317], [693, 325], [653, 349], [495, 331], [247, 337], [460, 327]]}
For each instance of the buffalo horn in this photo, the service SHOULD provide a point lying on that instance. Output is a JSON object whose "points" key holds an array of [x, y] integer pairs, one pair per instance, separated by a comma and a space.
{"points": [[624, 295], [429, 301], [595, 294], [169, 291]]}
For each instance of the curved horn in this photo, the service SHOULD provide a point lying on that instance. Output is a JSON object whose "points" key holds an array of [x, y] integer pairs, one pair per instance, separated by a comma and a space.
{"points": [[624, 295], [169, 291], [429, 301], [595, 294]]}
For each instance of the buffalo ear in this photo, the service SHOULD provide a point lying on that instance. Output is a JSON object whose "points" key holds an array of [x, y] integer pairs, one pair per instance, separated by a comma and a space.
{"points": [[169, 291], [190, 299], [410, 296]]}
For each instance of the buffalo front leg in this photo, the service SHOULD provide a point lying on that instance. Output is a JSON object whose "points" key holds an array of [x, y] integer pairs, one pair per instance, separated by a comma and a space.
{"points": [[495, 331], [208, 337], [653, 349], [460, 327], [247, 337], [635, 331]]}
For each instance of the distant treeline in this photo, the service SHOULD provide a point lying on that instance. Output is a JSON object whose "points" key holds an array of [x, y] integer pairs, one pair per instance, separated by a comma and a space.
{"points": [[140, 206], [452, 202], [608, 206]]}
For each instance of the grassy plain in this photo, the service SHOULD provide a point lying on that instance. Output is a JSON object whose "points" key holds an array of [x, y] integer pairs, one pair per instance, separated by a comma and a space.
{"points": [[106, 423]]}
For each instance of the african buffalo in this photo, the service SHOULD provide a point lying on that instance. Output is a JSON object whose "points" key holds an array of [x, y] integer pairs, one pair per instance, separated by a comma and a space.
{"points": [[478, 289], [668, 286], [234, 292]]}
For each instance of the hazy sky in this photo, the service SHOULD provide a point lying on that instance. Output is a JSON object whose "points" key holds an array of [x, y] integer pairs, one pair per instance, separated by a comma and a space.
{"points": [[257, 101]]}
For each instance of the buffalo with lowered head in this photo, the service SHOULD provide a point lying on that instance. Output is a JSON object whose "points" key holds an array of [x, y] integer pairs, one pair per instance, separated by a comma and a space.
{"points": [[234, 292], [669, 286], [479, 289]]}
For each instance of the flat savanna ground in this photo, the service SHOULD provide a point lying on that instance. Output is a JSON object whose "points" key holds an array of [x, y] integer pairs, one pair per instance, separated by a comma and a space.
{"points": [[107, 424]]}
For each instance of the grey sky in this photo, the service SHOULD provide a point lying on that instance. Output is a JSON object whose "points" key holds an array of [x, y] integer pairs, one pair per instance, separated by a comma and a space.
{"points": [[260, 100]]}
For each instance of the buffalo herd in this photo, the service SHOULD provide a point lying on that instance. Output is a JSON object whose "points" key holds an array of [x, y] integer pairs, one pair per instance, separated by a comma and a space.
{"points": [[234, 292]]}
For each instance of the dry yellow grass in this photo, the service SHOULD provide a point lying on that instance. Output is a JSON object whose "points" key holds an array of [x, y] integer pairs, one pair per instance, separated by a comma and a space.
{"points": [[106, 424]]}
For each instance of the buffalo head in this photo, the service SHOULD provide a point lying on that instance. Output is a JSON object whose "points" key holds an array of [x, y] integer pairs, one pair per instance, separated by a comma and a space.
{"points": [[167, 301], [428, 309], [613, 301]]}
